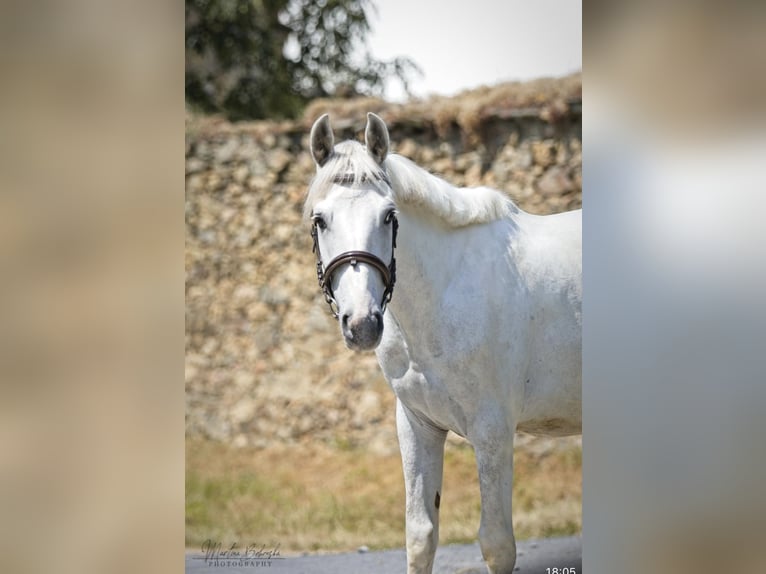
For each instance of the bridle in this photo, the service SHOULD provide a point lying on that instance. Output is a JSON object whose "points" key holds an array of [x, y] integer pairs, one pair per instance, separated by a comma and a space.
{"points": [[387, 272]]}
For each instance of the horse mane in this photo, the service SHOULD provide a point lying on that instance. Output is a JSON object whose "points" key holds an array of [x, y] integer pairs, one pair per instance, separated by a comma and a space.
{"points": [[410, 185]]}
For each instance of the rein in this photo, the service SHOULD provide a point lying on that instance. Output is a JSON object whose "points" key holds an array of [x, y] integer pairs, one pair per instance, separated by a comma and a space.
{"points": [[324, 274]]}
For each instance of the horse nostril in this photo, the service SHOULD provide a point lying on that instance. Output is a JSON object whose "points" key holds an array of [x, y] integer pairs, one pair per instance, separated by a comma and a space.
{"points": [[378, 318], [344, 321]]}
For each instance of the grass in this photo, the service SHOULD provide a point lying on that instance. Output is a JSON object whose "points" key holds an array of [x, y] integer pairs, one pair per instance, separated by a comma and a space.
{"points": [[314, 498]]}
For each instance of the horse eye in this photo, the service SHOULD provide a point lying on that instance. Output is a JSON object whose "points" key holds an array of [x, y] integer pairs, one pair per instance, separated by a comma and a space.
{"points": [[319, 221], [390, 216]]}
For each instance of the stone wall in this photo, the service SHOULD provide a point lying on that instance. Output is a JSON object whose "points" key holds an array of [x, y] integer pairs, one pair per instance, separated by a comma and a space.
{"points": [[265, 362]]}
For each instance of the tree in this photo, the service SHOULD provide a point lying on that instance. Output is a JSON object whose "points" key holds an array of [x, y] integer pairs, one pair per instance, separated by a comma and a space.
{"points": [[268, 58]]}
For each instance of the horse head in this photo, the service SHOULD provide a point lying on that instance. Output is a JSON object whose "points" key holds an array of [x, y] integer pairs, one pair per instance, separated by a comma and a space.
{"points": [[354, 229]]}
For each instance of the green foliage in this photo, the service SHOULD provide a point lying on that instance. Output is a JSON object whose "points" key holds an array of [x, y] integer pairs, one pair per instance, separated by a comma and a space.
{"points": [[268, 58]]}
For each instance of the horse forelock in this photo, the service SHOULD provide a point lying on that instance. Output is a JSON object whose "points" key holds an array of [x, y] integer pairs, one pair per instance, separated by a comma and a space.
{"points": [[351, 165]]}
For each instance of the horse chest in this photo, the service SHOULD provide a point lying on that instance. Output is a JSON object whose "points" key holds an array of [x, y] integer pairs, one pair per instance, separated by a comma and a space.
{"points": [[427, 383], [432, 398]]}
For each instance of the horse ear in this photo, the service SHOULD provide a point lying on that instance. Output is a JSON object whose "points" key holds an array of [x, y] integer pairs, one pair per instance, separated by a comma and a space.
{"points": [[376, 137], [322, 140]]}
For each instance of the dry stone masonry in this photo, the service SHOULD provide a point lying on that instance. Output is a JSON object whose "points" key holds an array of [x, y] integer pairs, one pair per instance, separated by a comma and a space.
{"points": [[265, 363]]}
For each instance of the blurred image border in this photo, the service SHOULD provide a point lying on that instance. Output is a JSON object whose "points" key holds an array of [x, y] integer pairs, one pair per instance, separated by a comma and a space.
{"points": [[91, 220]]}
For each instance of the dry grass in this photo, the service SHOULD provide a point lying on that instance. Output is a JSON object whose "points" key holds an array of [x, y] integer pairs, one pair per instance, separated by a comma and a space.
{"points": [[546, 97], [315, 498]]}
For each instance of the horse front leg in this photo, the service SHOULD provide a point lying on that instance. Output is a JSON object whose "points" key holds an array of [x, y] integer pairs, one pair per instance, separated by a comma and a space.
{"points": [[494, 459], [422, 448]]}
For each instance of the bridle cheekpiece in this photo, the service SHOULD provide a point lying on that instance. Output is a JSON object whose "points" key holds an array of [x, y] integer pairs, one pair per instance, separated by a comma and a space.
{"points": [[325, 273]]}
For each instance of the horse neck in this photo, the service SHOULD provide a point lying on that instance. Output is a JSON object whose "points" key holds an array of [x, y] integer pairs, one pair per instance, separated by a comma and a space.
{"points": [[431, 256], [427, 256]]}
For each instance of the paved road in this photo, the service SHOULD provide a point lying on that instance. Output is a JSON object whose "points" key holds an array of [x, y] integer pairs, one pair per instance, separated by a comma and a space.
{"points": [[533, 557]]}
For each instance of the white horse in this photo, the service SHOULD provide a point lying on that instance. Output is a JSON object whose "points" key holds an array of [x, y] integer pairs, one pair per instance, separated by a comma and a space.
{"points": [[483, 334]]}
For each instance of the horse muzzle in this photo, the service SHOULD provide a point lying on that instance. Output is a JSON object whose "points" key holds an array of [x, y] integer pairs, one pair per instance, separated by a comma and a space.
{"points": [[362, 332]]}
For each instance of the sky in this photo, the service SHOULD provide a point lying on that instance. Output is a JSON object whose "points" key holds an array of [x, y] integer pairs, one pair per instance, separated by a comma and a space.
{"points": [[461, 44]]}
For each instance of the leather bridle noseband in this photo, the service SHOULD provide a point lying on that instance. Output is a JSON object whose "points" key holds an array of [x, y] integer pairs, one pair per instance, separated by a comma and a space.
{"points": [[324, 274]]}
